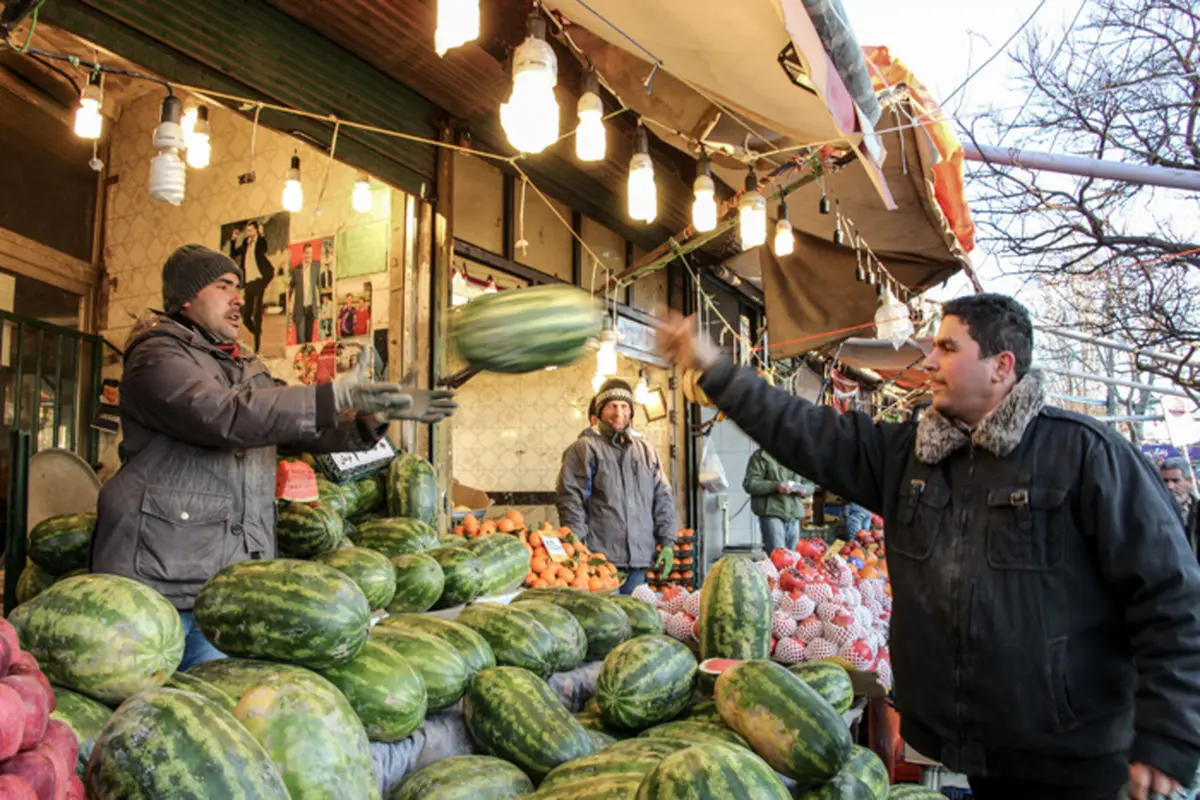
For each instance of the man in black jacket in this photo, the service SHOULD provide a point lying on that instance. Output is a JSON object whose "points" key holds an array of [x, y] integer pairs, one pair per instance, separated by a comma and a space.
{"points": [[1046, 626]]}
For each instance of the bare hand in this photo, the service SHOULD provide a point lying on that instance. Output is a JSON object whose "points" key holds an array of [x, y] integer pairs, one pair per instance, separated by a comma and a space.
{"points": [[681, 342], [1146, 782], [783, 488]]}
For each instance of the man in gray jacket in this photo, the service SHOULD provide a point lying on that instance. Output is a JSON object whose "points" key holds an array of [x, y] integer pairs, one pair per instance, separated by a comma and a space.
{"points": [[612, 491], [201, 419]]}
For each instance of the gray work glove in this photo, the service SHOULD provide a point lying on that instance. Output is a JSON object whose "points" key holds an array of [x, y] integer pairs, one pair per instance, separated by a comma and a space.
{"points": [[428, 405], [358, 391]]}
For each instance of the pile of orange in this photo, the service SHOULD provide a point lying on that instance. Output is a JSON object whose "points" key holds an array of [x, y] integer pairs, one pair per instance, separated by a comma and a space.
{"points": [[582, 569], [472, 528]]}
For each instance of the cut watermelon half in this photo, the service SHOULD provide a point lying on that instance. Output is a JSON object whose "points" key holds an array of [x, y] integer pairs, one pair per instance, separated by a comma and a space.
{"points": [[715, 666]]}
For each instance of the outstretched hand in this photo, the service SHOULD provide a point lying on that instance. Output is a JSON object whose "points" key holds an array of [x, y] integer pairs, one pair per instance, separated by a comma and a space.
{"points": [[681, 342]]}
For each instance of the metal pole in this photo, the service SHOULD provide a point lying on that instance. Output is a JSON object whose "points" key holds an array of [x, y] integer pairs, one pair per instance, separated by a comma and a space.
{"points": [[14, 531], [1084, 167], [1084, 376], [1127, 348]]}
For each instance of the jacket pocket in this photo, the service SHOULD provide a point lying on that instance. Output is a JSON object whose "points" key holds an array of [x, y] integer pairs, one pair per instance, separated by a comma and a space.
{"points": [[1025, 527], [923, 508], [1064, 711], [182, 535]]}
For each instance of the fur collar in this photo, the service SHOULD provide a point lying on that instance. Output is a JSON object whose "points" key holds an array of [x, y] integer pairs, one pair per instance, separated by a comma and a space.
{"points": [[999, 433]]}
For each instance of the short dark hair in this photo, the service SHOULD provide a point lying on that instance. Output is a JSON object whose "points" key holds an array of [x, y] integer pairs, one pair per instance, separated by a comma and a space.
{"points": [[307, 246], [997, 323], [1179, 463]]}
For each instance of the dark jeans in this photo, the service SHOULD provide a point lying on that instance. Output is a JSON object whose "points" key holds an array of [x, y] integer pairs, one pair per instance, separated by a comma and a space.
{"points": [[197, 649], [636, 578], [1011, 789], [779, 533]]}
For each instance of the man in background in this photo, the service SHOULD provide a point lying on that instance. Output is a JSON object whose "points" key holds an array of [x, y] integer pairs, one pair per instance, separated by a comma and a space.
{"points": [[1177, 475], [250, 241], [305, 294], [777, 499]]}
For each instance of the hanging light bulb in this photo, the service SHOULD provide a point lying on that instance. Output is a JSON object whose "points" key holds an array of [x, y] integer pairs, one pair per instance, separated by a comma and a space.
{"points": [[641, 392], [643, 194], [892, 319], [704, 207], [530, 117], [752, 214], [785, 240], [199, 144], [188, 123], [457, 24], [606, 356], [293, 190], [361, 199], [590, 139], [87, 117], [168, 175]]}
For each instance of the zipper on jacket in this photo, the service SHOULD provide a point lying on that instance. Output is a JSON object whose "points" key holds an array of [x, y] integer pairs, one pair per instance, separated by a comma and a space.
{"points": [[959, 630]]}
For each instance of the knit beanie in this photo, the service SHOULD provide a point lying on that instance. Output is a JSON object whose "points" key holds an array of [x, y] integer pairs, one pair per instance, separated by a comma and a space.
{"points": [[188, 270], [612, 389]]}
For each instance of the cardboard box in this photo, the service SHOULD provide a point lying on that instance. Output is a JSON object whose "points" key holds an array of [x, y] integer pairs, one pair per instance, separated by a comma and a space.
{"points": [[476, 500]]}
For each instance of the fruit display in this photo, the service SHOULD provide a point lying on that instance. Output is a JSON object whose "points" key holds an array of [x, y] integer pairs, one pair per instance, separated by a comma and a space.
{"points": [[605, 624], [370, 569], [517, 638], [462, 575], [464, 778], [474, 650], [580, 569], [570, 638], [385, 691], [645, 681], [419, 583], [442, 668], [712, 770], [682, 572], [735, 611], [412, 489]]}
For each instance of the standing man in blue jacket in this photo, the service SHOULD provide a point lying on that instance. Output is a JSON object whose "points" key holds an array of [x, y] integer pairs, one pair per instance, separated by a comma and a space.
{"points": [[1046, 626]]}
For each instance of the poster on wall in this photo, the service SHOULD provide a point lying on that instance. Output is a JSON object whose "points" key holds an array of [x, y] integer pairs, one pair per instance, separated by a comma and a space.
{"points": [[312, 363], [354, 298], [259, 246], [310, 291], [362, 250]]}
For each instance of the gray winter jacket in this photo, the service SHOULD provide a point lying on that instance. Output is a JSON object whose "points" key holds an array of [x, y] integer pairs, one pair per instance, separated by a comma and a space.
{"points": [[196, 487], [613, 494]]}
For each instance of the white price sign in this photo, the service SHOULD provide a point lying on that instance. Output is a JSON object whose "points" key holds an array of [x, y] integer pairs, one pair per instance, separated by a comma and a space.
{"points": [[382, 451], [554, 548]]}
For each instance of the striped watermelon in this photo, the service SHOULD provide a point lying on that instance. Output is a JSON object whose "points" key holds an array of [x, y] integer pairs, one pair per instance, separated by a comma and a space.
{"points": [[735, 611], [168, 743], [450, 540], [385, 691], [295, 611], [85, 717], [419, 582], [512, 714], [236, 676], [828, 679], [395, 536], [444, 671], [615, 787], [602, 764], [643, 617], [101, 635], [697, 732], [62, 543], [787, 723], [331, 495], [32, 581], [368, 495], [568, 633], [645, 681], [912, 791], [370, 569], [605, 624], [863, 777], [714, 771], [600, 739], [463, 573], [505, 562], [304, 530], [703, 711], [311, 733], [524, 330], [412, 489], [661, 746], [190, 683], [517, 638], [464, 778], [594, 722], [474, 649]]}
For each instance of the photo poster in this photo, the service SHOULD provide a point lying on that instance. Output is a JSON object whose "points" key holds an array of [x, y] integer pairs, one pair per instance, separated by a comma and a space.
{"points": [[259, 245], [309, 306], [352, 312]]}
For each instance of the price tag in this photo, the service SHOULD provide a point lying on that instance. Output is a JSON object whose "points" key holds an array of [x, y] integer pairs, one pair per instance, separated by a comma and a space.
{"points": [[554, 548], [341, 467], [833, 550]]}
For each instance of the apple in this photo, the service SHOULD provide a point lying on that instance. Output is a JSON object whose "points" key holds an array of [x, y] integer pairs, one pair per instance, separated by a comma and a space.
{"points": [[14, 787], [35, 768], [37, 708]]}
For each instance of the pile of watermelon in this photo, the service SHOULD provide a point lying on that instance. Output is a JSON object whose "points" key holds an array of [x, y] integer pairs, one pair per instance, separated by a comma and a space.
{"points": [[58, 547]]}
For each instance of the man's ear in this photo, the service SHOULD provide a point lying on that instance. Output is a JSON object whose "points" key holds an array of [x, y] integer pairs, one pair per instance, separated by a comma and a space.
{"points": [[1004, 364]]}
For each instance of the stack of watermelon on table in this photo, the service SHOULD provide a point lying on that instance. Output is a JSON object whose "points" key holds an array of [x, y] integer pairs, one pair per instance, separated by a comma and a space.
{"points": [[58, 547]]}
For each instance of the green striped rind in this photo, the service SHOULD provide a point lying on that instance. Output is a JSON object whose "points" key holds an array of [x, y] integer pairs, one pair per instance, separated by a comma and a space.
{"points": [[385, 691], [645, 681], [864, 777], [70, 574], [505, 562], [594, 722], [568, 633], [419, 583], [791, 726], [600, 739], [332, 496], [168, 743], [440, 665], [603, 764], [62, 543], [450, 540], [300, 612], [396, 536], [735, 611], [32, 581], [190, 683], [911, 791], [617, 787], [604, 622], [236, 676], [102, 635], [464, 778], [463, 573], [304, 530], [370, 569], [473, 648], [643, 617], [412, 489], [703, 711], [513, 714], [714, 771], [313, 736], [524, 330], [85, 717], [828, 679], [699, 732], [516, 636], [367, 493], [662, 746]]}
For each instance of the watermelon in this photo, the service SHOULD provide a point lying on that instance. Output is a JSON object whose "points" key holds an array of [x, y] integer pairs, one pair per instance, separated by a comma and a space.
{"points": [[62, 543], [568, 633], [661, 746], [32, 581], [463, 573], [713, 771], [311, 733], [912, 791], [168, 743], [102, 635], [385, 691], [703, 711], [505, 562], [419, 582], [331, 495], [236, 676], [304, 530], [694, 731], [288, 610], [85, 717], [367, 493], [440, 665], [594, 722], [828, 679], [525, 330], [605, 624], [863, 777], [190, 683], [517, 638], [450, 540], [370, 569], [395, 536], [600, 739], [615, 787], [735, 611], [412, 489], [602, 764], [512, 714], [474, 649], [711, 669], [791, 726], [643, 617], [645, 681], [464, 778]]}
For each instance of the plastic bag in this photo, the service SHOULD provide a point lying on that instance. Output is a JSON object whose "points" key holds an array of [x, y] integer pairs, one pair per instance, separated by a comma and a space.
{"points": [[712, 471]]}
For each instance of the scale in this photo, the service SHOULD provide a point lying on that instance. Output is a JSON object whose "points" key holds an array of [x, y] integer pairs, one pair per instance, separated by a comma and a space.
{"points": [[60, 482]]}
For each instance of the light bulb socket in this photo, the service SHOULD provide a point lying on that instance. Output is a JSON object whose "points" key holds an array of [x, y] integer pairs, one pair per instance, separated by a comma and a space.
{"points": [[785, 214], [751, 181], [641, 142], [293, 173], [92, 92], [860, 274], [535, 25], [591, 83], [94, 78], [838, 236], [879, 289], [825, 207], [172, 109]]}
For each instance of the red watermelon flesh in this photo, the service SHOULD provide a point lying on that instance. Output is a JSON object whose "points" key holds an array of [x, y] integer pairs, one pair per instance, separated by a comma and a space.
{"points": [[715, 666]]}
